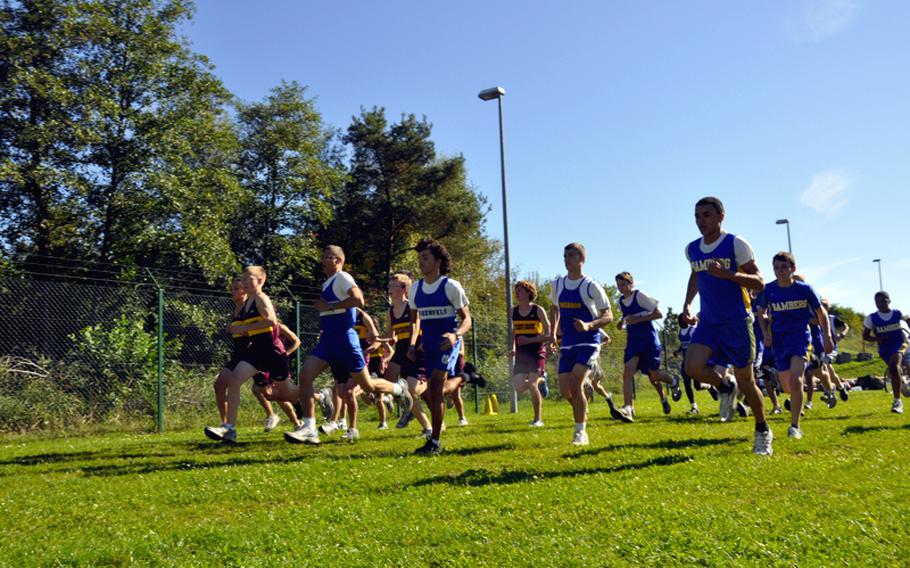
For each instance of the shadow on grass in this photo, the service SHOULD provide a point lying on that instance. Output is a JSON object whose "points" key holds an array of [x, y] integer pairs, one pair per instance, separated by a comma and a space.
{"points": [[659, 445], [850, 430], [68, 457], [481, 477]]}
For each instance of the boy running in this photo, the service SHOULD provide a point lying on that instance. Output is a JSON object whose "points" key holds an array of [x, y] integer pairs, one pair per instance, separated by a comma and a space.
{"points": [[884, 327], [723, 269], [338, 343], [580, 309], [788, 303]]}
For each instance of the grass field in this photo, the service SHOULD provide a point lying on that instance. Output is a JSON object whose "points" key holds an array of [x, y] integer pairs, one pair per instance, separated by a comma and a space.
{"points": [[664, 491]]}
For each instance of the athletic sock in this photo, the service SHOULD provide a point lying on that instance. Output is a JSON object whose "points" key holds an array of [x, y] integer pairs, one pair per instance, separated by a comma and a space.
{"points": [[579, 426], [761, 427], [229, 426], [397, 390], [309, 422]]}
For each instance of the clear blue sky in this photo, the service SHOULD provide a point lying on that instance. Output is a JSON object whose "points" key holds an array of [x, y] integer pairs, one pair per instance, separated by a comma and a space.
{"points": [[619, 116]]}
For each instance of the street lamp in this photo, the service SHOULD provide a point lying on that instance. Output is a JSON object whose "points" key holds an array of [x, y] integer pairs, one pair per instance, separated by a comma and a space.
{"points": [[488, 95], [787, 223], [879, 262]]}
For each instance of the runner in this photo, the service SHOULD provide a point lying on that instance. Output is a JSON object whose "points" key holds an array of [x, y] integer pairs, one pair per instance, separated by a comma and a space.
{"points": [[580, 309], [723, 268]]}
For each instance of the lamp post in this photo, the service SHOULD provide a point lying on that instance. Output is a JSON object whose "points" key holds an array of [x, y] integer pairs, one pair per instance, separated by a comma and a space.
{"points": [[878, 261], [787, 223], [488, 95]]}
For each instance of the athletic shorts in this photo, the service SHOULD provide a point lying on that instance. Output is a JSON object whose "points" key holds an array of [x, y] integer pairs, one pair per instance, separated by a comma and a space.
{"points": [[459, 365], [732, 343], [648, 356], [266, 360], [784, 353], [887, 352], [261, 379], [529, 362], [340, 373], [342, 349], [577, 355], [435, 359], [376, 366]]}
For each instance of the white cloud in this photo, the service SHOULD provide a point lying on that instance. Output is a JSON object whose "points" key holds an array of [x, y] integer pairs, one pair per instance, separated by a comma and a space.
{"points": [[828, 192], [821, 19]]}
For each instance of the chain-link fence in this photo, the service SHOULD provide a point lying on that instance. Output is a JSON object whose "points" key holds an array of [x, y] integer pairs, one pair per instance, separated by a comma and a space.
{"points": [[79, 353]]}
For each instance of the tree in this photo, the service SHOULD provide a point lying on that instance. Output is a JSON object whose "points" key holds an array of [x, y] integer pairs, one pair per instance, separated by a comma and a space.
{"points": [[290, 167], [39, 130], [399, 191]]}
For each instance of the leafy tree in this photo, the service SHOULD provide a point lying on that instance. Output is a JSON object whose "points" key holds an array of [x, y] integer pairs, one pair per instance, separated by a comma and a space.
{"points": [[289, 166]]}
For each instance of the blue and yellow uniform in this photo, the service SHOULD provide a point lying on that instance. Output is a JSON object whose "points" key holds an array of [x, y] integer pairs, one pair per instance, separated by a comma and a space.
{"points": [[578, 347], [338, 344], [892, 334], [724, 323], [789, 313], [437, 317], [641, 338]]}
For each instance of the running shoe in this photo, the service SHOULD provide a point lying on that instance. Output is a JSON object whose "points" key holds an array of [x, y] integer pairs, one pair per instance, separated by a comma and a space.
{"points": [[727, 400], [215, 432], [580, 438], [302, 435], [897, 406], [693, 410], [463, 421], [328, 407], [777, 410], [352, 435], [787, 405], [382, 426], [405, 420], [430, 448], [230, 436], [830, 399], [536, 424], [843, 394], [271, 422], [741, 409], [623, 414], [794, 432], [473, 377], [674, 388], [404, 399], [328, 428], [905, 388], [808, 405], [666, 406], [762, 444], [543, 387]]}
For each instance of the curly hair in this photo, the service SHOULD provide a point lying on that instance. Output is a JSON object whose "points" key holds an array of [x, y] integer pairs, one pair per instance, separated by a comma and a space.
{"points": [[528, 287], [439, 252]]}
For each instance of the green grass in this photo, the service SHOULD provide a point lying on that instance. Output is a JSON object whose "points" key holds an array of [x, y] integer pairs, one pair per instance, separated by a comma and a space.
{"points": [[664, 491]]}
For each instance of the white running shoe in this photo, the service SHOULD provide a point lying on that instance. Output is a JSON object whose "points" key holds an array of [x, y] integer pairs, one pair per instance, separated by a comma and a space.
{"points": [[463, 421], [808, 405], [326, 404], [328, 428], [727, 402], [302, 435], [693, 410], [351, 435], [762, 444], [215, 432], [776, 410], [271, 422], [794, 432], [897, 406], [536, 423], [580, 438], [382, 426]]}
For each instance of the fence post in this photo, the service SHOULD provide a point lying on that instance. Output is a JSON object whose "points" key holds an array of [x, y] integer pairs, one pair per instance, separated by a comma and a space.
{"points": [[160, 413], [296, 329], [474, 358]]}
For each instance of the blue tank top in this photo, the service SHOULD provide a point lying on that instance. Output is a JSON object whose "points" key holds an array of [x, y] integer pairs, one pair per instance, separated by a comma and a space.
{"points": [[891, 330], [722, 301], [572, 306], [335, 321], [437, 314], [638, 333], [790, 308], [685, 337]]}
